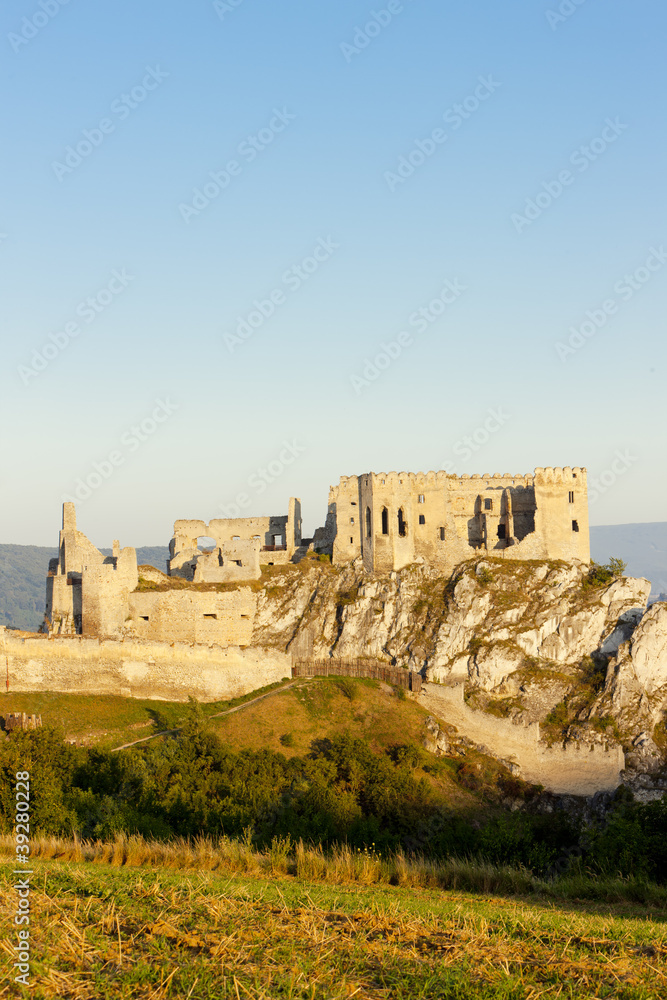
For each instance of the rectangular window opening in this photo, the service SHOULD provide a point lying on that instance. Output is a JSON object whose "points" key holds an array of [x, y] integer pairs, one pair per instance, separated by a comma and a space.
{"points": [[570, 496], [488, 505], [575, 526], [144, 618], [351, 541], [422, 519], [351, 520], [210, 616], [501, 531], [421, 498], [442, 534]]}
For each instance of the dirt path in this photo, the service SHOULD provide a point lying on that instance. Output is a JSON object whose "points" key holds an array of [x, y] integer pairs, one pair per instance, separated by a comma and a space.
{"points": [[229, 711]]}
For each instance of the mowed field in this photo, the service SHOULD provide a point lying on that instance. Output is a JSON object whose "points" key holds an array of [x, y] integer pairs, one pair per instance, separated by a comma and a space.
{"points": [[100, 931]]}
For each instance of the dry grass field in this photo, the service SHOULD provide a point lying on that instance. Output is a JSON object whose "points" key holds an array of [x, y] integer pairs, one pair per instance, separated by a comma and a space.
{"points": [[105, 930], [211, 920]]}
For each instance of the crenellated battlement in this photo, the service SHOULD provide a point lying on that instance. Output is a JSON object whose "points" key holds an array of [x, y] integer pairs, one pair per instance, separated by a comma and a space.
{"points": [[395, 479], [566, 475]]}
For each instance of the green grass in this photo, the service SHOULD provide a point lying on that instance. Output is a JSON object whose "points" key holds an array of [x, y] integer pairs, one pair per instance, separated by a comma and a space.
{"points": [[107, 720], [106, 931]]}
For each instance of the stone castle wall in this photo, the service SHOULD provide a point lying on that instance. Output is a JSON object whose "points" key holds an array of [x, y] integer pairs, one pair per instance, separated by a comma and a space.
{"points": [[272, 540], [574, 769], [392, 519], [163, 671], [192, 616]]}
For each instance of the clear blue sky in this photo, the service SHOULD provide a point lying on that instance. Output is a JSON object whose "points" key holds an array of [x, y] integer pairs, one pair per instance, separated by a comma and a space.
{"points": [[170, 93]]}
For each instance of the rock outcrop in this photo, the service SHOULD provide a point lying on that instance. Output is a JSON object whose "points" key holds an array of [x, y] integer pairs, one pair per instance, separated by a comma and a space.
{"points": [[545, 642], [635, 691], [490, 620]]}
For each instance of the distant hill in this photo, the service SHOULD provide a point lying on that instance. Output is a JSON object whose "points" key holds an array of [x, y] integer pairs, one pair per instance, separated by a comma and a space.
{"points": [[642, 546], [23, 568]]}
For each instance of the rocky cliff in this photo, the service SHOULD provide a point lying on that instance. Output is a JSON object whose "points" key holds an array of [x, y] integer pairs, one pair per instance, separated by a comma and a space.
{"points": [[548, 642]]}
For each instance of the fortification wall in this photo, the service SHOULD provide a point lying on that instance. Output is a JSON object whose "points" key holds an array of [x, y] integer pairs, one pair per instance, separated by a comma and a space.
{"points": [[135, 669], [347, 541], [193, 616], [394, 518], [565, 770]]}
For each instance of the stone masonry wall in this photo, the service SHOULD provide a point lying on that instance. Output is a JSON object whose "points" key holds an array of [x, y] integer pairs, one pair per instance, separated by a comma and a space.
{"points": [[193, 616], [393, 519], [167, 672]]}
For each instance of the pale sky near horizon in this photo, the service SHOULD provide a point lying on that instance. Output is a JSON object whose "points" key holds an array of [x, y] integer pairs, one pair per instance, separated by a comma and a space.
{"points": [[325, 239]]}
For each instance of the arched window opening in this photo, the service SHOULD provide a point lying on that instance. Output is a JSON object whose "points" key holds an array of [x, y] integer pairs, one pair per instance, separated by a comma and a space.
{"points": [[385, 521], [402, 526], [206, 544]]}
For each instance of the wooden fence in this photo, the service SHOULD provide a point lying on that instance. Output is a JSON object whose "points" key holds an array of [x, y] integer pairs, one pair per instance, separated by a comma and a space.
{"points": [[373, 669]]}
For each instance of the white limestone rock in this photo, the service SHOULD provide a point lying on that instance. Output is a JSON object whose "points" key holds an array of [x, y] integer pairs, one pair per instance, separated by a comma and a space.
{"points": [[435, 740], [492, 665], [648, 649]]}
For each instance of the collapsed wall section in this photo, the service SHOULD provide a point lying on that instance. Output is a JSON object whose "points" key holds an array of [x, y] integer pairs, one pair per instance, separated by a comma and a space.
{"points": [[240, 546]]}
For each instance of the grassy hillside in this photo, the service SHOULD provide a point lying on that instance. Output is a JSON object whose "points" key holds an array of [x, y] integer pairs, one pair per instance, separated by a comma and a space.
{"points": [[113, 932], [286, 718], [287, 721]]}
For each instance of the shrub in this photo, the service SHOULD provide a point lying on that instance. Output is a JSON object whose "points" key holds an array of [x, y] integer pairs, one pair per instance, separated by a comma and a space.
{"points": [[347, 687]]}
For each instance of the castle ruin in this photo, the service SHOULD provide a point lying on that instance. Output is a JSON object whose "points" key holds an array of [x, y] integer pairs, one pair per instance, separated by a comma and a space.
{"points": [[393, 519], [388, 520]]}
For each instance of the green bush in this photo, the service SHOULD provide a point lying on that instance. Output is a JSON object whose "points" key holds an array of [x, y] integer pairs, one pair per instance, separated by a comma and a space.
{"points": [[601, 575], [342, 792]]}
